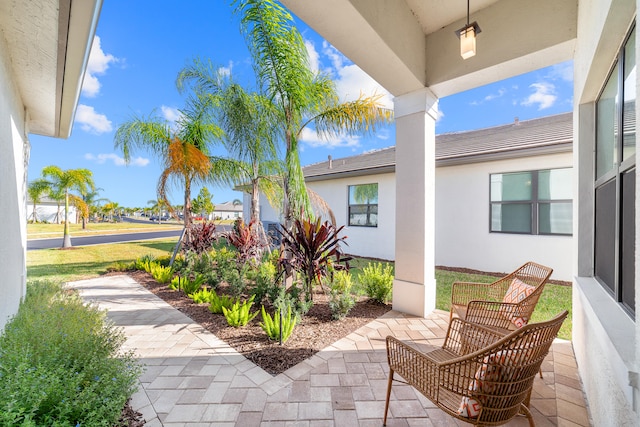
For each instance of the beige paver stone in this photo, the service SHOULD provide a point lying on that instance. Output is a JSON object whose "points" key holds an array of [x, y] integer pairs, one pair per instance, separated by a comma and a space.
{"points": [[235, 395], [342, 398], [280, 411], [184, 413], [324, 380], [320, 394], [575, 413], [315, 411], [345, 418], [222, 412], [255, 401], [249, 419], [215, 392], [369, 410]]}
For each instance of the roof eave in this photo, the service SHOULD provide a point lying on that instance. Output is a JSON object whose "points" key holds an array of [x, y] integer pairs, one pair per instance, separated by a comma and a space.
{"points": [[77, 27]]}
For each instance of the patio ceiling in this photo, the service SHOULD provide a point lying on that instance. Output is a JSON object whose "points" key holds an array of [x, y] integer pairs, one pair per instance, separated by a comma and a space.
{"points": [[406, 45], [48, 44]]}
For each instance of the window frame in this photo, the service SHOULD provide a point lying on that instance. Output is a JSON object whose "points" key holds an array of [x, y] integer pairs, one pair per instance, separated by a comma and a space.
{"points": [[534, 203], [367, 206], [615, 176]]}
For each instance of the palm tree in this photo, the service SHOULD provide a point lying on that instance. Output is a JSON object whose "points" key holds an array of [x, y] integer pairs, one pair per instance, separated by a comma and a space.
{"points": [[185, 150], [111, 208], [36, 190], [250, 123], [65, 181], [92, 201], [300, 97]]}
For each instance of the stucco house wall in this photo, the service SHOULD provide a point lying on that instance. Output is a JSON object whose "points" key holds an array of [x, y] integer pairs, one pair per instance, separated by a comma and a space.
{"points": [[606, 338], [44, 49], [13, 164], [462, 221], [48, 213], [373, 242]]}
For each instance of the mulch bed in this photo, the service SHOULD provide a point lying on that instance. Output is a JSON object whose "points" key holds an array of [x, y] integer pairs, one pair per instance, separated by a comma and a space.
{"points": [[314, 332]]}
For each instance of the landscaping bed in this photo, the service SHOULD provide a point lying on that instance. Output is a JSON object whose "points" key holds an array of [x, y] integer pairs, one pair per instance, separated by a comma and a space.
{"points": [[315, 331]]}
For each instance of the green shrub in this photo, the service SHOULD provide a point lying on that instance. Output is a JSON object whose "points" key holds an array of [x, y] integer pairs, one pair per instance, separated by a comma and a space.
{"points": [[193, 283], [225, 263], [62, 364], [121, 266], [144, 263], [239, 315], [201, 296], [265, 278], [377, 281], [160, 273], [220, 302], [271, 325], [177, 283], [341, 301]]}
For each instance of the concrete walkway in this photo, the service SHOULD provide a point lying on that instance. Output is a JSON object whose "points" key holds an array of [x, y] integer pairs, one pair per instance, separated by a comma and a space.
{"points": [[193, 379]]}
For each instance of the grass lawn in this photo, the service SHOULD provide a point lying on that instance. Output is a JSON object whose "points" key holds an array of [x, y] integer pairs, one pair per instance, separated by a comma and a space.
{"points": [[91, 261]]}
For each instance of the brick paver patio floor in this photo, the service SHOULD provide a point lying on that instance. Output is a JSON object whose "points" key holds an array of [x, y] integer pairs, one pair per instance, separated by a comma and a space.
{"points": [[193, 379]]}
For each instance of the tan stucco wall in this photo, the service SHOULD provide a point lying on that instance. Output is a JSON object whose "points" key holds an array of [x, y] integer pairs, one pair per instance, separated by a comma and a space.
{"points": [[13, 163]]}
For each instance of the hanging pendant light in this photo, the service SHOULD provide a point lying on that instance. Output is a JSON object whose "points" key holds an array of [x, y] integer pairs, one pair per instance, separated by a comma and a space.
{"points": [[467, 35]]}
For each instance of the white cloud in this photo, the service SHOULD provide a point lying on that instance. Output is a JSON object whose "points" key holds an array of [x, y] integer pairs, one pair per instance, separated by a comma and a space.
{"points": [[117, 160], [351, 81], [499, 94], [170, 114], [314, 57], [98, 65], [311, 138], [543, 96], [563, 71], [92, 122], [226, 71]]}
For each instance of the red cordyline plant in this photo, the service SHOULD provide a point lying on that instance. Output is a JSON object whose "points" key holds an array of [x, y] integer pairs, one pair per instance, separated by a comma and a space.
{"points": [[246, 239], [310, 247], [200, 237]]}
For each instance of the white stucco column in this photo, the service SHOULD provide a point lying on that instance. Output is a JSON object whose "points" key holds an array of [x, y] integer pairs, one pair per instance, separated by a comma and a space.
{"points": [[414, 287]]}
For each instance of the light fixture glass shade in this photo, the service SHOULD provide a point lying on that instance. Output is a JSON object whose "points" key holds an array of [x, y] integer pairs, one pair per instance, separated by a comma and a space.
{"points": [[468, 42]]}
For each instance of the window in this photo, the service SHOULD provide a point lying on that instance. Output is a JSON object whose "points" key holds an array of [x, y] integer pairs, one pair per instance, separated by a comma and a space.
{"points": [[615, 171], [363, 205], [533, 202]]}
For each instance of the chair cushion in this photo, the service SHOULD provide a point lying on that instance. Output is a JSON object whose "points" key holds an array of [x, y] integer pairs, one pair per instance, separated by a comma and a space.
{"points": [[518, 290], [485, 382]]}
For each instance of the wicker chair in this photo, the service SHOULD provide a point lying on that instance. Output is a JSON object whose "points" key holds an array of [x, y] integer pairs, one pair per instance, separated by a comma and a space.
{"points": [[484, 303], [478, 376]]}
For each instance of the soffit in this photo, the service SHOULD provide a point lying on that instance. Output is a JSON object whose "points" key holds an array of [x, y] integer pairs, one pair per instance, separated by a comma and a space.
{"points": [[406, 45], [48, 45]]}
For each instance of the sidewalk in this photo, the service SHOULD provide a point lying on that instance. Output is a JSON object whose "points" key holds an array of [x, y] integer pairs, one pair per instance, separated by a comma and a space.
{"points": [[193, 379]]}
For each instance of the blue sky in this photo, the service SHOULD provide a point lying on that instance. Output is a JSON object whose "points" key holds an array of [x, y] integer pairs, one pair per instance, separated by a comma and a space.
{"points": [[141, 46]]}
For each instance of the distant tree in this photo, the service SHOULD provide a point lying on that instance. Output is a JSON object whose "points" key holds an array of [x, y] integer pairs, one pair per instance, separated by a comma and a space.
{"points": [[93, 204], [203, 204], [37, 190], [64, 182]]}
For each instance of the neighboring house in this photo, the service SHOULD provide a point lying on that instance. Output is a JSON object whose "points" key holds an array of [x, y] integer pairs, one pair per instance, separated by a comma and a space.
{"points": [[51, 211], [44, 49], [227, 210], [412, 51], [503, 197]]}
